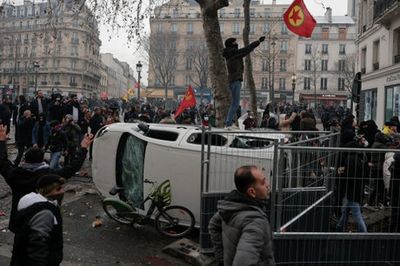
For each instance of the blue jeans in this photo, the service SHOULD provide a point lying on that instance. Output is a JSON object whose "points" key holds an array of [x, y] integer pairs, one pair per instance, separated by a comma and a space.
{"points": [[55, 160], [234, 87], [355, 209]]}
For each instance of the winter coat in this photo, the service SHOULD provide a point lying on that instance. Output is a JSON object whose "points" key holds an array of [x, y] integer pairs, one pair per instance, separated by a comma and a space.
{"points": [[23, 131], [38, 236], [377, 158], [35, 107], [387, 165], [57, 140], [350, 183], [22, 180], [240, 232], [56, 112], [68, 110], [72, 131], [234, 60], [46, 133]]}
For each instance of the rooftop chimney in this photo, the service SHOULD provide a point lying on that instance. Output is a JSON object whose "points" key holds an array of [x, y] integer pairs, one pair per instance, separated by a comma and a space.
{"points": [[328, 14]]}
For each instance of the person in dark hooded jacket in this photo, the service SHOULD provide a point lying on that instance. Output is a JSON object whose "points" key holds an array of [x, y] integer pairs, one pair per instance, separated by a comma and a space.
{"points": [[234, 62], [22, 180], [240, 230]]}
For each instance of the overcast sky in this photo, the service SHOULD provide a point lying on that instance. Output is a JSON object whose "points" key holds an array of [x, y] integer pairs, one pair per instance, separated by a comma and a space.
{"points": [[118, 44]]}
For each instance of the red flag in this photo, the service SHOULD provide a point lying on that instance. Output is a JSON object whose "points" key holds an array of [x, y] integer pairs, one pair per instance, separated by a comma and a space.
{"points": [[299, 20], [189, 100]]}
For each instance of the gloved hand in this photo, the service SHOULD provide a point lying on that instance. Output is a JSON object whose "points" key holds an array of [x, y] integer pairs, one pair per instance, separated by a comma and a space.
{"points": [[262, 38]]}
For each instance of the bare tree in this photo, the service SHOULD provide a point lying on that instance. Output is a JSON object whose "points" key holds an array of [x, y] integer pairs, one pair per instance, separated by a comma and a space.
{"points": [[346, 69], [198, 57], [163, 58], [249, 66], [315, 68]]}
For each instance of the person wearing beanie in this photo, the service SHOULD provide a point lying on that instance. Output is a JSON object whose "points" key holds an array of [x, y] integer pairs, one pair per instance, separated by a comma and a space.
{"points": [[22, 180], [38, 238], [234, 62]]}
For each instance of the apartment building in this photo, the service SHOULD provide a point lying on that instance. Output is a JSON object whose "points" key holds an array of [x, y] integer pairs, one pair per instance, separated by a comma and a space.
{"points": [[379, 55], [179, 30], [49, 51], [326, 62]]}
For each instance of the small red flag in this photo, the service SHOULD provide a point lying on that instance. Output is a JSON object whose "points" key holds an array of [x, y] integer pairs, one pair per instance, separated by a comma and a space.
{"points": [[299, 20], [189, 100]]}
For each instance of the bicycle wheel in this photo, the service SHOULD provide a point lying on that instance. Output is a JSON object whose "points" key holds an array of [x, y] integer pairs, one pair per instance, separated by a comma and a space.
{"points": [[118, 210], [174, 221]]}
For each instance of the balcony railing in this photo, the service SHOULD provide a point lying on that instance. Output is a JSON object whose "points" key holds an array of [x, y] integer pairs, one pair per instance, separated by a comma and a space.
{"points": [[376, 66], [73, 84], [382, 6], [397, 59]]}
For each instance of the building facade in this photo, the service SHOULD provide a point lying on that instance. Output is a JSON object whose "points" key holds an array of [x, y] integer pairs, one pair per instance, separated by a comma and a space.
{"points": [[57, 53], [117, 76], [379, 56], [179, 31], [326, 62]]}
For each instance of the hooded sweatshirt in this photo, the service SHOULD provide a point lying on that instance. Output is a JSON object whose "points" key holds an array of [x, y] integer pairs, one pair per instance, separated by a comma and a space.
{"points": [[240, 232], [38, 232]]}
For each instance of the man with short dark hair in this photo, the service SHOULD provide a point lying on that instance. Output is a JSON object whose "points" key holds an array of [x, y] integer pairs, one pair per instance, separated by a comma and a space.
{"points": [[39, 105], [22, 180], [240, 231], [38, 236]]}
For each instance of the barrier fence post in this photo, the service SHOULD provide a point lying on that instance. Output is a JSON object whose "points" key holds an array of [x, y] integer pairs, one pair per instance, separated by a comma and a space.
{"points": [[273, 186]]}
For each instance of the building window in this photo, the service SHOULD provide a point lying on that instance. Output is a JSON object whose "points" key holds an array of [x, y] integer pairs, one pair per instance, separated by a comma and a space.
{"points": [[375, 55], [188, 80], [222, 27], [237, 12], [324, 65], [264, 83], [174, 28], [363, 60], [341, 84], [73, 64], [222, 12], [342, 49], [189, 63], [189, 44], [159, 28], [283, 65], [236, 28], [324, 48], [264, 65], [190, 28], [282, 84], [72, 80], [392, 102], [324, 84], [284, 29], [267, 12], [252, 12], [396, 45], [74, 51], [307, 84], [342, 65], [284, 47], [342, 33], [308, 48], [325, 33], [368, 108], [307, 64], [252, 28], [266, 27]]}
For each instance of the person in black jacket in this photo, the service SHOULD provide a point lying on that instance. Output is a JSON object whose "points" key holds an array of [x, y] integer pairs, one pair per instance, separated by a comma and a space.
{"points": [[234, 62], [39, 105], [57, 144], [56, 109], [23, 134], [38, 238], [22, 180]]}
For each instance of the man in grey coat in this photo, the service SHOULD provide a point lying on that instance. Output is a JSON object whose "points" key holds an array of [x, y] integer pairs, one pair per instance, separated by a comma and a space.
{"points": [[240, 231]]}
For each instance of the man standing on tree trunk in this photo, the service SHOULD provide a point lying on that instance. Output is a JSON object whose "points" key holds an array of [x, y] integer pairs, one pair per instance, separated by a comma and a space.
{"points": [[234, 62]]}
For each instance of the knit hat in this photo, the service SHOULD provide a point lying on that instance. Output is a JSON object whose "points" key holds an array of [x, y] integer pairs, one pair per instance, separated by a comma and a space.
{"points": [[47, 180], [229, 42]]}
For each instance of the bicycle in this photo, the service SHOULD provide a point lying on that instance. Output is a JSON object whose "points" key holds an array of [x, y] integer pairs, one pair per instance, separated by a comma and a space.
{"points": [[170, 220]]}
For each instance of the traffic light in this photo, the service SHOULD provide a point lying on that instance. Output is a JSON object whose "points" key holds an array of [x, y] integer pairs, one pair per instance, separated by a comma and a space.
{"points": [[356, 88]]}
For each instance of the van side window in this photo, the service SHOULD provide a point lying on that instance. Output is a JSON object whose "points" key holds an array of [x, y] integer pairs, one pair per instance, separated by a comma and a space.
{"points": [[216, 140], [247, 142], [162, 135]]}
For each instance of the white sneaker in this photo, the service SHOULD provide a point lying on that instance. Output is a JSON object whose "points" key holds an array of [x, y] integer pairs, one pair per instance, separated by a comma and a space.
{"points": [[228, 128]]}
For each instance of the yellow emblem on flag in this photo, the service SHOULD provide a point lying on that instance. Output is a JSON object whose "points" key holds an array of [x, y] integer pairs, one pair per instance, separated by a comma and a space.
{"points": [[296, 16]]}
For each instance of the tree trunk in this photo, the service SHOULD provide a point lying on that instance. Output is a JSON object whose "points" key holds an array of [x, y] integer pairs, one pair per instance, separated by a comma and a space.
{"points": [[248, 65], [217, 67]]}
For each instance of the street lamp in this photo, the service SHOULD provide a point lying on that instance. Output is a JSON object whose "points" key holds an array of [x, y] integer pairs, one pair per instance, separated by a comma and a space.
{"points": [[139, 69], [293, 85], [36, 68]]}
